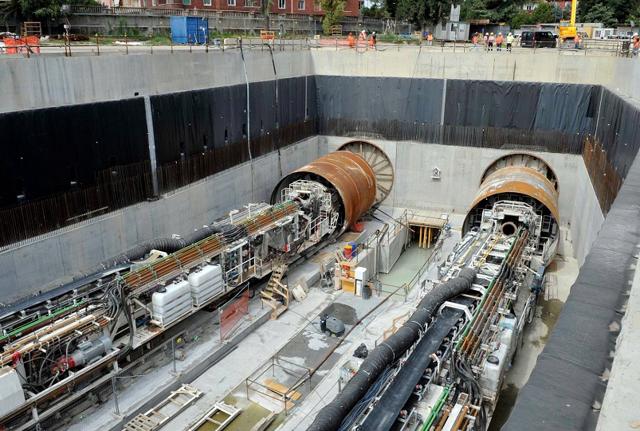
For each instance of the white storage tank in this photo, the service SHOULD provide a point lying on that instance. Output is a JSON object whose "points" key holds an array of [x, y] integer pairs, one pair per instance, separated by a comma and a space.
{"points": [[499, 359], [171, 302], [11, 393], [206, 283]]}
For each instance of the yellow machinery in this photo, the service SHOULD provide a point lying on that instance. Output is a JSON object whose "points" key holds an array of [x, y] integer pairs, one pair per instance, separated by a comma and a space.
{"points": [[568, 29]]}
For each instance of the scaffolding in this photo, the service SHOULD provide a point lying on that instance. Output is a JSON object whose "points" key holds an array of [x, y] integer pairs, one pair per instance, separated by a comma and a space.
{"points": [[31, 28]]}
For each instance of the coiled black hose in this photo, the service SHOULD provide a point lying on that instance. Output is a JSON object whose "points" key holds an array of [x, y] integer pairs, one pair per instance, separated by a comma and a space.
{"points": [[332, 415]]}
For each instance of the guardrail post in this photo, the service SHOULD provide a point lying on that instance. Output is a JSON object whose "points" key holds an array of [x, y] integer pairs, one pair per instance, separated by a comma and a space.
{"points": [[97, 44], [115, 395], [173, 354], [126, 43]]}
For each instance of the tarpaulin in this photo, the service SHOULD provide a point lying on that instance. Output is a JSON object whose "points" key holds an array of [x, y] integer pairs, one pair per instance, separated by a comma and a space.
{"points": [[52, 150], [618, 129], [569, 108], [193, 122], [374, 99]]}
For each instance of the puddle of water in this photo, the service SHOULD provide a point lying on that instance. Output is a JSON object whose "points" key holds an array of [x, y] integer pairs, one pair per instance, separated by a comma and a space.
{"points": [[508, 397], [249, 416], [548, 313], [277, 422], [551, 309], [343, 312]]}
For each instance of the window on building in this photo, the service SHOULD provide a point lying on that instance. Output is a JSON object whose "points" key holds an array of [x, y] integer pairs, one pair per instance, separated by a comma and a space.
{"points": [[300, 4], [282, 4], [186, 2], [231, 3], [206, 2], [249, 3], [154, 3]]}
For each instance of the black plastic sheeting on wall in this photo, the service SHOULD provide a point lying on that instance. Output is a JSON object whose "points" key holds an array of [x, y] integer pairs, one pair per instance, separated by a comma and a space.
{"points": [[375, 99], [45, 150], [566, 384], [534, 116], [570, 108], [618, 130], [192, 122], [201, 132]]}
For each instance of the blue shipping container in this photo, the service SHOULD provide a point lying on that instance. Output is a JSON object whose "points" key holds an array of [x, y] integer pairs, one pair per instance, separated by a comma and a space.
{"points": [[189, 29]]}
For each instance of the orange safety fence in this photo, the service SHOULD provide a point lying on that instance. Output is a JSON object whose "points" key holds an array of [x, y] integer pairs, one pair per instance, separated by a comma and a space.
{"points": [[267, 35], [232, 313], [22, 45]]}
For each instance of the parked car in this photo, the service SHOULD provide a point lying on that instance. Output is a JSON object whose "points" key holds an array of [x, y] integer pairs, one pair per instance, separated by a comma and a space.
{"points": [[538, 39]]}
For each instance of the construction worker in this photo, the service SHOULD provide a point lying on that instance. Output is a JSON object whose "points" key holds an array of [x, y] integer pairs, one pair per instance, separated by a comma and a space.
{"points": [[474, 40], [430, 39], [492, 41], [499, 41], [351, 40], [636, 45], [372, 40], [510, 40], [576, 41]]}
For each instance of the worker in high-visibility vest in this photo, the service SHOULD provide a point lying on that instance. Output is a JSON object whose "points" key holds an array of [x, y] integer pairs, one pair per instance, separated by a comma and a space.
{"points": [[510, 40], [372, 40], [351, 40], [576, 41], [499, 41]]}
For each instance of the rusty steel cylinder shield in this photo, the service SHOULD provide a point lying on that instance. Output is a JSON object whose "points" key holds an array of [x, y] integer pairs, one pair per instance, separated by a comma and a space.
{"points": [[347, 173], [518, 180]]}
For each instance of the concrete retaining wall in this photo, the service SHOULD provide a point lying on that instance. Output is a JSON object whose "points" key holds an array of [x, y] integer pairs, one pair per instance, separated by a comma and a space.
{"points": [[48, 261], [46, 81], [542, 66], [413, 187]]}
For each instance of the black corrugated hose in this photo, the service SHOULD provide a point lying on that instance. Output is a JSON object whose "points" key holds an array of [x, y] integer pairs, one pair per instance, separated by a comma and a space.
{"points": [[386, 353]]}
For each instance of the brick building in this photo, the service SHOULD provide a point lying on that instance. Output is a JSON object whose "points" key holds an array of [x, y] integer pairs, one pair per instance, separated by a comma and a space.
{"points": [[302, 7]]}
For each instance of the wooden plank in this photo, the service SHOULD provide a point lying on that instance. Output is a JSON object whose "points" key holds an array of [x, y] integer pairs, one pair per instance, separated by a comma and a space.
{"points": [[281, 389]]}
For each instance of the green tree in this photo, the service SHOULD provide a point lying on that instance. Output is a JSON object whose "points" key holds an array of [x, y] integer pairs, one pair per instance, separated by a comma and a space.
{"points": [[391, 6], [474, 9], [623, 11], [421, 12], [333, 13], [377, 10], [601, 13], [520, 19], [495, 11], [543, 13], [634, 16], [38, 9]]}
